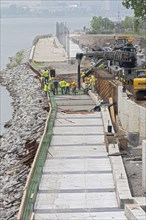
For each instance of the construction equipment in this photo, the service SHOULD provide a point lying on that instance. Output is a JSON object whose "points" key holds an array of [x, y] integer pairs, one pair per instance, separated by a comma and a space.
{"points": [[122, 39], [123, 42], [139, 84], [125, 58]]}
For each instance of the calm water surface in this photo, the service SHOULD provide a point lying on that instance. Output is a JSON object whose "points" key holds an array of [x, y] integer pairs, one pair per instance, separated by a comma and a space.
{"points": [[18, 34]]}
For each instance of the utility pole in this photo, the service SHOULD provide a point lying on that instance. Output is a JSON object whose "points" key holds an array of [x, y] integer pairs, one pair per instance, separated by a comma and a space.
{"points": [[118, 21]]}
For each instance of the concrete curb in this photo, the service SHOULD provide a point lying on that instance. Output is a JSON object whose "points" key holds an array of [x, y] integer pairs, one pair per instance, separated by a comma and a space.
{"points": [[119, 174], [120, 178], [134, 212]]}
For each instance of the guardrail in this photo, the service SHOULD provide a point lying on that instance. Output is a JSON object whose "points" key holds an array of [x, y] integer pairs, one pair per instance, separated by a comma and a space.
{"points": [[33, 180]]}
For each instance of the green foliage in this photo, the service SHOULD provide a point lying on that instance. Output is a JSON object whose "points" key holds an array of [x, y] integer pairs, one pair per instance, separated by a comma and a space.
{"points": [[100, 25], [19, 57], [139, 7], [128, 22], [135, 34], [133, 23], [17, 60]]}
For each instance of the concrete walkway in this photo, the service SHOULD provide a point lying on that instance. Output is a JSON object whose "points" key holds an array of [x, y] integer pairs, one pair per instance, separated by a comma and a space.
{"points": [[50, 50], [77, 181]]}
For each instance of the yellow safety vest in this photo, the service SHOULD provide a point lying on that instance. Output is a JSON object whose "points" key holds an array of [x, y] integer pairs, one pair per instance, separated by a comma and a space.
{"points": [[62, 83], [82, 74], [67, 85], [45, 88], [46, 73]]}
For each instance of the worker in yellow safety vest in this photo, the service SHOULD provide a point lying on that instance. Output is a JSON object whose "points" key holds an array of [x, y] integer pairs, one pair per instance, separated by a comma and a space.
{"points": [[67, 88], [46, 89], [101, 66], [83, 75], [92, 82], [73, 87], [51, 85], [46, 75], [62, 84]]}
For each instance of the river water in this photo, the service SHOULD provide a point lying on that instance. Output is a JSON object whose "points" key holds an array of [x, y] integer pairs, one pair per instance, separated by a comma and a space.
{"points": [[18, 34]]}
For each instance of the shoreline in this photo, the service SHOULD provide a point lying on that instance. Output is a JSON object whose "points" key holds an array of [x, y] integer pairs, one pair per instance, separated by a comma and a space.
{"points": [[6, 108], [22, 135]]}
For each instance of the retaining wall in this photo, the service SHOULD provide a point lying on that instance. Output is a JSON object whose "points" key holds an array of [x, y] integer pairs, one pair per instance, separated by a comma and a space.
{"points": [[131, 115]]}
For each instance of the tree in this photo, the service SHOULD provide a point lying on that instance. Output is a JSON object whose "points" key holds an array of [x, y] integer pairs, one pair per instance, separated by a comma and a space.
{"points": [[128, 22], [96, 24], [100, 24], [139, 7]]}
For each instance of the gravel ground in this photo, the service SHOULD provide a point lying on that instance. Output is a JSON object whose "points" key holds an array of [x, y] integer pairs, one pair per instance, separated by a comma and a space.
{"points": [[23, 131]]}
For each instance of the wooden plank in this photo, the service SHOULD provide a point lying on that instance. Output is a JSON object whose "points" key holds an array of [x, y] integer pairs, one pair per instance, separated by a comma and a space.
{"points": [[112, 112]]}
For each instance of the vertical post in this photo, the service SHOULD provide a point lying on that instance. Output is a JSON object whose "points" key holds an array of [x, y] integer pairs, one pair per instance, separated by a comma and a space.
{"points": [[79, 83], [79, 57], [144, 166]]}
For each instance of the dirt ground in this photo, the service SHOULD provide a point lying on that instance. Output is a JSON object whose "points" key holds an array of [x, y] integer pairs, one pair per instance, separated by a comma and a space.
{"points": [[94, 42], [133, 162]]}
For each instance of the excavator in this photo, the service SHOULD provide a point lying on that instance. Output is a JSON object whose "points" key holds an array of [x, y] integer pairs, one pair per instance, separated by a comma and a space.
{"points": [[139, 84]]}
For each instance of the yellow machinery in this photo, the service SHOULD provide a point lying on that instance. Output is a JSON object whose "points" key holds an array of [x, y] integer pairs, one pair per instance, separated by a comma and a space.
{"points": [[123, 39], [139, 85]]}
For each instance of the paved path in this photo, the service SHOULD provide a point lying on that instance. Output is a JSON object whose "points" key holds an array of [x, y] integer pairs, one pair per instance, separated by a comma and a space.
{"points": [[77, 181], [49, 51]]}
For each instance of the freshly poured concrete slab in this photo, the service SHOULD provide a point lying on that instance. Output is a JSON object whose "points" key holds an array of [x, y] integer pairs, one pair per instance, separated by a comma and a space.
{"points": [[72, 97], [78, 121], [85, 130], [77, 102], [74, 103], [76, 107], [76, 165], [77, 181], [83, 115], [77, 139], [100, 215], [74, 200], [73, 151]]}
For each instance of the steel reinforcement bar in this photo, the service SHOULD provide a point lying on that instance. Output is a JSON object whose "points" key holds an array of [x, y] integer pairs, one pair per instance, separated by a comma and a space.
{"points": [[33, 180]]}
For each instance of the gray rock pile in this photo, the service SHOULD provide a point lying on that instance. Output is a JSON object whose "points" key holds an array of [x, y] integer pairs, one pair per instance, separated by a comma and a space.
{"points": [[22, 136]]}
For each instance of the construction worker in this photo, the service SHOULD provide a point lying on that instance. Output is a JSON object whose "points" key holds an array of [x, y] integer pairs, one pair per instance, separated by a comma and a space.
{"points": [[46, 89], [101, 66], [73, 88], [92, 82], [67, 88], [62, 86], [56, 84], [86, 79], [85, 87], [46, 75], [83, 75]]}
